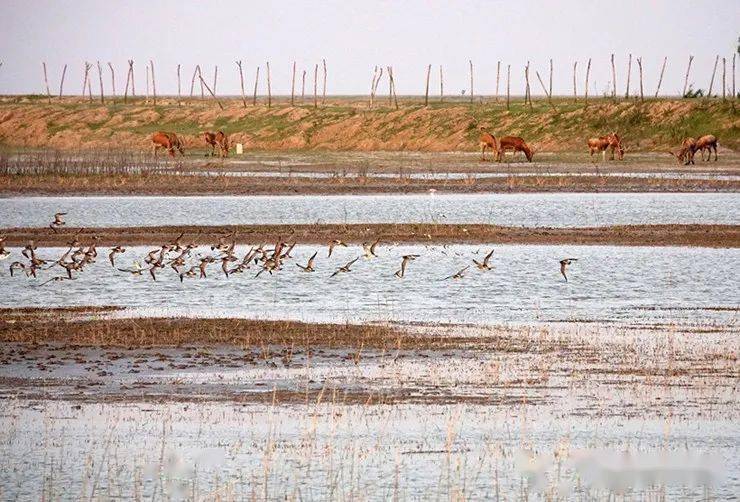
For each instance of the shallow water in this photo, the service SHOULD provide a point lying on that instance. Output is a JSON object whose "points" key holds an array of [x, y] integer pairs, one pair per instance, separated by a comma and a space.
{"points": [[609, 284], [335, 452], [531, 210]]}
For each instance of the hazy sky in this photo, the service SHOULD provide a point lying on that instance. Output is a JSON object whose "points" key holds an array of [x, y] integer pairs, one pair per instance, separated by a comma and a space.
{"points": [[354, 36]]}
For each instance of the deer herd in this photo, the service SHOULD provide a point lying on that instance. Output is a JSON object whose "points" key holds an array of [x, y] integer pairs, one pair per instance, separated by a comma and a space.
{"points": [[612, 142]]}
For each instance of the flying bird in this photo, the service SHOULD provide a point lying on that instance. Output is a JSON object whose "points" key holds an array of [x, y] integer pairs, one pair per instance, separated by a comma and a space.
{"points": [[113, 252], [335, 242], [345, 268], [404, 262], [458, 275], [484, 265], [58, 221], [564, 263], [370, 249], [309, 265]]}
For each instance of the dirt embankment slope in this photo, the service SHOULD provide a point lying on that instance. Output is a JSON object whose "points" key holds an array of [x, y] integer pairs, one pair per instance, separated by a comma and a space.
{"points": [[426, 233], [348, 124]]}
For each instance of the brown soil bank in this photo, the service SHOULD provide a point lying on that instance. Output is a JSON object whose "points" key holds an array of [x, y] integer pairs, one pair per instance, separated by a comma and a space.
{"points": [[626, 235], [157, 184], [348, 124]]}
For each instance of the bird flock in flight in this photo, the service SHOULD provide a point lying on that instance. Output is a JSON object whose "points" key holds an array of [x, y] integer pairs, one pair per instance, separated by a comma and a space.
{"points": [[184, 259]]}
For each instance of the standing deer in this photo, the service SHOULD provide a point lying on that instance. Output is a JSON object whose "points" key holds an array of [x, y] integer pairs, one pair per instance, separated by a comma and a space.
{"points": [[217, 139], [516, 144], [611, 141], [707, 142], [168, 141], [686, 154], [487, 140]]}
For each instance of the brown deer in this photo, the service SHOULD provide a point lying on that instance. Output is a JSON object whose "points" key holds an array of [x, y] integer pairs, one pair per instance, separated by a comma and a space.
{"points": [[217, 139], [707, 142], [168, 141], [685, 155], [611, 141], [516, 144], [487, 140]]}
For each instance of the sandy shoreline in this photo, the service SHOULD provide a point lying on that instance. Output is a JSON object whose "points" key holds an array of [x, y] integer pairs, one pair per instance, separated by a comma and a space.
{"points": [[623, 235]]}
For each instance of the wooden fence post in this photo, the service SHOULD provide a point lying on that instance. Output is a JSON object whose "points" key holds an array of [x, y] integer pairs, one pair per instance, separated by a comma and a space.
{"points": [[241, 82], [100, 78], [112, 80], [426, 92], [575, 89], [46, 81], [711, 82], [292, 87], [154, 84], [269, 85], [614, 80], [210, 92], [549, 98], [256, 80], [585, 91], [724, 82], [498, 72], [441, 85], [508, 84], [303, 86], [629, 76], [323, 92], [316, 86], [551, 70], [660, 80], [639, 65], [686, 79], [471, 79], [61, 83]]}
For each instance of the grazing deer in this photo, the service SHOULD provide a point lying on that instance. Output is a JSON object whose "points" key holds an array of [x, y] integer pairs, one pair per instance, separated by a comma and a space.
{"points": [[707, 142], [168, 141], [217, 139], [487, 140], [516, 144], [685, 155], [600, 144]]}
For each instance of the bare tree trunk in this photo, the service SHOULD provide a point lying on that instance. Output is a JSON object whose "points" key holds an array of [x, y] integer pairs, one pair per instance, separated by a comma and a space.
{"points": [[734, 96], [441, 85], [471, 79], [372, 86], [112, 80], [89, 89], [128, 79], [84, 82], [200, 80], [639, 65], [551, 71], [323, 92], [614, 80], [660, 80], [46, 81], [241, 82], [527, 89], [147, 84], [303, 86], [192, 81], [585, 92], [256, 80], [269, 85], [575, 89], [179, 87], [316, 86], [724, 82], [711, 82], [100, 78], [61, 83], [215, 78], [377, 82], [426, 92], [498, 73], [154, 84], [133, 81], [292, 87], [549, 97], [686, 79], [629, 76], [393, 85], [508, 85], [211, 92]]}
